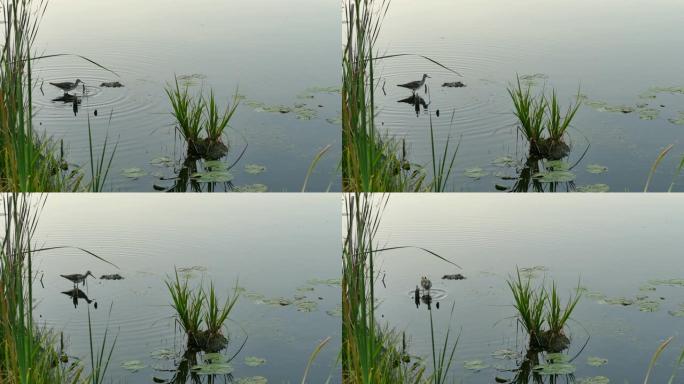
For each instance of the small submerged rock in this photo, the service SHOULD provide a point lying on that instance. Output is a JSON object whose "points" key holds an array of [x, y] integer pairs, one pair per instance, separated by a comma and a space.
{"points": [[456, 276], [115, 276], [111, 84], [454, 84]]}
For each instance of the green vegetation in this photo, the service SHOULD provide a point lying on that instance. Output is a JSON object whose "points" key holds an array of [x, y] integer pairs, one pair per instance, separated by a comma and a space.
{"points": [[28, 354], [200, 122], [372, 161], [30, 162], [538, 115], [372, 353], [199, 315], [540, 313]]}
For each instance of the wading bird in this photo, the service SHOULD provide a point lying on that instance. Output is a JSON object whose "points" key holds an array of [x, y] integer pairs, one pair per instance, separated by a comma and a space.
{"points": [[77, 278], [68, 86], [426, 284], [414, 85]]}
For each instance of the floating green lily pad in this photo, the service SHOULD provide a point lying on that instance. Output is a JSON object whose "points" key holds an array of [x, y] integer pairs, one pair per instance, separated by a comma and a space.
{"points": [[278, 301], [648, 113], [214, 165], [504, 354], [618, 301], [593, 188], [133, 365], [163, 161], [533, 79], [254, 361], [190, 79], [252, 380], [475, 365], [648, 305], [306, 305], [213, 368], [254, 169], [647, 95], [304, 113], [305, 289], [337, 120], [670, 282], [647, 287], [678, 120], [554, 176], [530, 272], [596, 168], [672, 90], [212, 177], [557, 357], [554, 369], [162, 354], [504, 161], [677, 313], [333, 282], [337, 312], [251, 188], [594, 380], [557, 165], [596, 361], [133, 173], [475, 173]]}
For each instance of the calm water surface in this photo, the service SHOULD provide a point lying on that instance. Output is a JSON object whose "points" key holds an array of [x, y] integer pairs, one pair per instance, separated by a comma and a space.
{"points": [[272, 51], [614, 52], [612, 247], [275, 246]]}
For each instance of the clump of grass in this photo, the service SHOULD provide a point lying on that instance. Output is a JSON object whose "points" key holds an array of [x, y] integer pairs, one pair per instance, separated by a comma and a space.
{"points": [[529, 304], [200, 122], [199, 315], [188, 305], [188, 112], [541, 314], [540, 121]]}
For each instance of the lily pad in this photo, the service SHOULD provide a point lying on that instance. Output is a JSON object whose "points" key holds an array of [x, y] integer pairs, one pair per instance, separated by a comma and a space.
{"points": [[213, 177], [670, 282], [555, 369], [133, 173], [648, 305], [306, 305], [593, 188], [163, 161], [530, 272], [557, 165], [475, 365], [337, 312], [333, 282], [648, 113], [533, 79], [596, 361], [304, 113], [677, 313], [252, 380], [504, 161], [213, 368], [504, 354], [215, 165], [596, 168], [475, 173], [554, 176], [254, 361], [162, 354], [557, 357], [594, 380], [251, 188], [672, 90], [278, 301], [618, 301], [254, 169], [647, 95], [678, 120], [133, 365]]}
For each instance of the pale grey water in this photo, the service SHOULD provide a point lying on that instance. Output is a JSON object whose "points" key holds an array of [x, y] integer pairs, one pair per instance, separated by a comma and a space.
{"points": [[613, 245], [612, 50], [272, 245], [272, 51]]}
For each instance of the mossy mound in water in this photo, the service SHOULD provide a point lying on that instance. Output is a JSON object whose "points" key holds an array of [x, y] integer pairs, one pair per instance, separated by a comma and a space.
{"points": [[549, 342], [549, 149], [207, 149], [207, 342]]}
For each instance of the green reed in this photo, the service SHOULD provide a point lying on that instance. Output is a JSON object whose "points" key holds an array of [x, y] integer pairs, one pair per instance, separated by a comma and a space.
{"points": [[188, 304], [557, 124], [216, 122], [556, 315], [215, 316], [529, 304], [530, 110], [188, 111], [372, 353]]}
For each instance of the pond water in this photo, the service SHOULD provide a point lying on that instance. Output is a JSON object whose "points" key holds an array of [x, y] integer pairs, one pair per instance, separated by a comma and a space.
{"points": [[614, 248], [275, 54], [273, 247], [617, 53]]}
